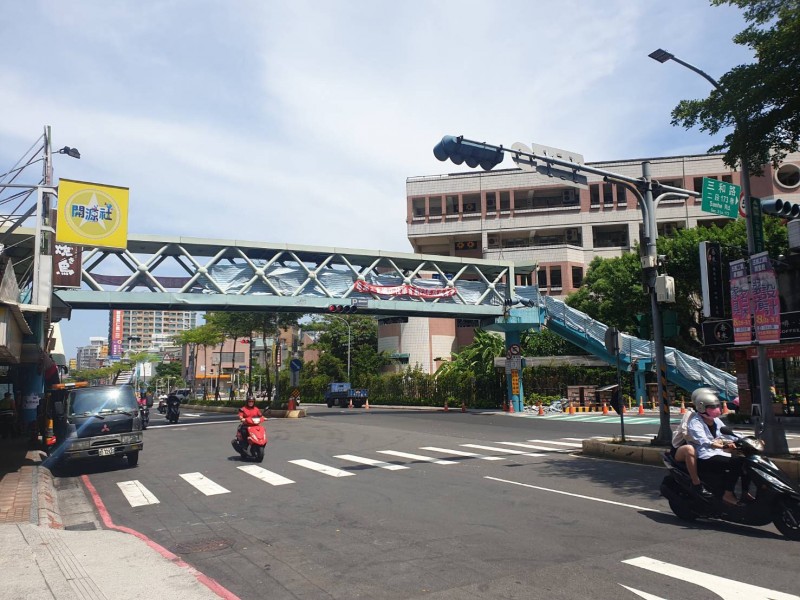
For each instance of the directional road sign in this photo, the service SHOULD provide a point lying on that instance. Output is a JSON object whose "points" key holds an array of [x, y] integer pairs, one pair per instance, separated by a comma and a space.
{"points": [[721, 198]]}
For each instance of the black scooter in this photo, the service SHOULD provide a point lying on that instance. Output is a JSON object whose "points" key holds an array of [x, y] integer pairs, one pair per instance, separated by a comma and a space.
{"points": [[173, 409], [777, 498]]}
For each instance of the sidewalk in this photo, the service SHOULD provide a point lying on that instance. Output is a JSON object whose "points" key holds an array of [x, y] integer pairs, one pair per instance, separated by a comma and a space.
{"points": [[50, 552]]}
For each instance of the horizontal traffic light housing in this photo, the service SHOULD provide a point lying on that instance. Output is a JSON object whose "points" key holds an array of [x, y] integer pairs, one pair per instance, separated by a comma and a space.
{"points": [[781, 208], [459, 150], [342, 308]]}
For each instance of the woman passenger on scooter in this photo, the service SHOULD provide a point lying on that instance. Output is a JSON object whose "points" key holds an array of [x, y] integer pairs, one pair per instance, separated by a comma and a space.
{"points": [[710, 445]]}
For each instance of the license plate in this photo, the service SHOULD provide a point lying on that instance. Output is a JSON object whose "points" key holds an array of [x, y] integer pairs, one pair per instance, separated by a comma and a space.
{"points": [[105, 452]]}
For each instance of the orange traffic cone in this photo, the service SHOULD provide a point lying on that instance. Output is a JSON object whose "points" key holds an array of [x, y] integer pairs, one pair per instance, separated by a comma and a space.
{"points": [[350, 405], [624, 410], [605, 408], [571, 408], [445, 406], [641, 409], [683, 407], [510, 407], [725, 410], [463, 407], [366, 405], [541, 409]]}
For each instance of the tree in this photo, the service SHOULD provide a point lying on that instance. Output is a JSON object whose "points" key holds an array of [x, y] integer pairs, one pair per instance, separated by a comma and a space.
{"points": [[547, 343], [365, 360], [760, 101], [199, 337]]}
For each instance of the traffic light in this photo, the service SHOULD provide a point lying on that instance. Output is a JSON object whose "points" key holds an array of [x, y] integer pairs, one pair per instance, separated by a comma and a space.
{"points": [[669, 324], [342, 308], [780, 208], [643, 326], [527, 302], [509, 302], [459, 150]]}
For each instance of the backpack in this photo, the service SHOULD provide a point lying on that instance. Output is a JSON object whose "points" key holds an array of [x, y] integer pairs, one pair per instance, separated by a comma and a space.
{"points": [[681, 434]]}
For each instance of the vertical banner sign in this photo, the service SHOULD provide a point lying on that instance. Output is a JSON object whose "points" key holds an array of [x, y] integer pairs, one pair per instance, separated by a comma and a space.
{"points": [[116, 332], [764, 297], [740, 303], [67, 266], [711, 280]]}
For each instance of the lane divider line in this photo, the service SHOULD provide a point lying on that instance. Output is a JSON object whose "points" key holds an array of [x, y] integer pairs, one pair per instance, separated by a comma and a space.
{"points": [[544, 489]]}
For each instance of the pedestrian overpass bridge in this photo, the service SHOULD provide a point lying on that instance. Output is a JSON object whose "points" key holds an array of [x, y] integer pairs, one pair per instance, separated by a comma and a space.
{"points": [[182, 273]]}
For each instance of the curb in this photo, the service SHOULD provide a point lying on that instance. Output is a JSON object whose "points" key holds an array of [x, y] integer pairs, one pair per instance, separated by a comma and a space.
{"points": [[46, 500], [269, 413], [651, 455]]}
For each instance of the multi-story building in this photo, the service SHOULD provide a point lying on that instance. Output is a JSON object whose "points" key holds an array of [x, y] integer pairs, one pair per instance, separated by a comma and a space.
{"points": [[146, 330], [550, 229], [92, 356]]}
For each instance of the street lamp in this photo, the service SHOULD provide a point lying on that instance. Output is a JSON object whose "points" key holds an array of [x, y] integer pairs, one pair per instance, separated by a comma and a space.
{"points": [[346, 322], [773, 435]]}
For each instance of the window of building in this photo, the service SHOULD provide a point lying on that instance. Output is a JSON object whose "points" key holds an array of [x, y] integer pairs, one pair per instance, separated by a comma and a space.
{"points": [[622, 195], [608, 194], [435, 206], [451, 204], [524, 279], [505, 200], [577, 277], [418, 207], [555, 277], [542, 277], [788, 175], [523, 199], [594, 194], [491, 201], [472, 203], [727, 178]]}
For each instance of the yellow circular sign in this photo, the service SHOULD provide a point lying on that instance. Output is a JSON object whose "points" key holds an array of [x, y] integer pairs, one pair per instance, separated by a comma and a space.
{"points": [[93, 213]]}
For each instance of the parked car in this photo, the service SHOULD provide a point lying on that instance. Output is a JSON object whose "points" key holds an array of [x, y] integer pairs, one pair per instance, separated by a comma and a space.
{"points": [[184, 394]]}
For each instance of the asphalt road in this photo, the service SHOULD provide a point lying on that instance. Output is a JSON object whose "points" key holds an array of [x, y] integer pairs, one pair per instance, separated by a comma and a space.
{"points": [[429, 520]]}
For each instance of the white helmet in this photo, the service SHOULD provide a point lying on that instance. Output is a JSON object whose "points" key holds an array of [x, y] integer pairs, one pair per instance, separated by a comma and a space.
{"points": [[704, 398]]}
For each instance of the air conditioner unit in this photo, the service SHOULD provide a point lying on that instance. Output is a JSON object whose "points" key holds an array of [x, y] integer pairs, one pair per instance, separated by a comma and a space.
{"points": [[573, 235], [569, 196]]}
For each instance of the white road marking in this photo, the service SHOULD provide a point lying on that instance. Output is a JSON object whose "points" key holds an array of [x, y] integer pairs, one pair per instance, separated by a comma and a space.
{"points": [[324, 469], [728, 589], [544, 489], [371, 462], [136, 494], [642, 594], [418, 457], [462, 453], [264, 475], [503, 450], [204, 484], [570, 444], [535, 447]]}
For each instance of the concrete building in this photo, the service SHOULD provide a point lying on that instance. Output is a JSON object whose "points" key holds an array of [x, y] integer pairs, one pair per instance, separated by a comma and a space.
{"points": [[92, 356], [550, 229], [146, 330]]}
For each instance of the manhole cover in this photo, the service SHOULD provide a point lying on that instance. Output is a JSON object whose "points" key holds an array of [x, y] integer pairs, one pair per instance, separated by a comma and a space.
{"points": [[202, 546]]}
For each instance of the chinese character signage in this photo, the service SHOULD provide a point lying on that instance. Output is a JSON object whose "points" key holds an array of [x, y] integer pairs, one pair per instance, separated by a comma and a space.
{"points": [[91, 214], [116, 332], [67, 266], [740, 303], [720, 198], [764, 299]]}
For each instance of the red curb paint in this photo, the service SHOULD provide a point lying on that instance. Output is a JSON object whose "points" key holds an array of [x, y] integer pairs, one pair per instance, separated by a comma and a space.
{"points": [[207, 581]]}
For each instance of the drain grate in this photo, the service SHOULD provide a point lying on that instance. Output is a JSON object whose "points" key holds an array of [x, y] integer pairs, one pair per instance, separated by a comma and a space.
{"points": [[211, 545]]}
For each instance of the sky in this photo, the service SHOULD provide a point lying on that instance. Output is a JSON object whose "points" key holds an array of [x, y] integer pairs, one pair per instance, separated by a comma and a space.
{"points": [[299, 121]]}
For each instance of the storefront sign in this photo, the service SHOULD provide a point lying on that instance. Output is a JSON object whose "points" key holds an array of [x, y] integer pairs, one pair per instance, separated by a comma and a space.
{"points": [[67, 266], [740, 303], [764, 299], [92, 214], [720, 333]]}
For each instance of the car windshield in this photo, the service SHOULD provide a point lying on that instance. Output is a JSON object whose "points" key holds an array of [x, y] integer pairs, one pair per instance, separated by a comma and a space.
{"points": [[91, 401]]}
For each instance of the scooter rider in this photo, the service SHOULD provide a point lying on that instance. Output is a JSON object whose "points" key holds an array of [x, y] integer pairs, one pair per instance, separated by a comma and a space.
{"points": [[710, 445], [248, 411]]}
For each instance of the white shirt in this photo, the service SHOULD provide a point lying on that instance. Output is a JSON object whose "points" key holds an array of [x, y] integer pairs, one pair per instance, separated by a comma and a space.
{"points": [[701, 437]]}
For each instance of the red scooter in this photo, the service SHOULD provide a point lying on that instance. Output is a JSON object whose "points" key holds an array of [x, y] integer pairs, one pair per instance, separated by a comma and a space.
{"points": [[251, 444]]}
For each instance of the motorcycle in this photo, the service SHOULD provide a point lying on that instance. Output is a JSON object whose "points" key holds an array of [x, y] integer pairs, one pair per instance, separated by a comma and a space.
{"points": [[144, 411], [253, 445], [162, 405], [777, 498], [173, 409]]}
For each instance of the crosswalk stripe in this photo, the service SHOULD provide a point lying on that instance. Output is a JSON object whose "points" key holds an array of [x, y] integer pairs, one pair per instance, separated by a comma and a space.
{"points": [[503, 450], [371, 462], [571, 444], [461, 453], [418, 457], [324, 469], [204, 484], [535, 447], [264, 475], [136, 494]]}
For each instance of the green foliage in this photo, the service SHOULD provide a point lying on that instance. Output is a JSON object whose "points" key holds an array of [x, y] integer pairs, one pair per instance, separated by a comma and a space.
{"points": [[360, 335], [758, 102], [547, 343], [171, 369], [535, 399]]}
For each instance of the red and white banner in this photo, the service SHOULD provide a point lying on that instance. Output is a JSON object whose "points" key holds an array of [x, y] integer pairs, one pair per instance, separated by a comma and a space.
{"points": [[404, 290]]}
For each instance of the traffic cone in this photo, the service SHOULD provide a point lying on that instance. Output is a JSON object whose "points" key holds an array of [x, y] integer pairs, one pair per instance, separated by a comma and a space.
{"points": [[725, 410], [505, 406], [641, 409], [571, 408], [511, 407], [366, 405], [683, 407], [541, 409], [605, 408], [463, 407], [350, 405], [446, 409]]}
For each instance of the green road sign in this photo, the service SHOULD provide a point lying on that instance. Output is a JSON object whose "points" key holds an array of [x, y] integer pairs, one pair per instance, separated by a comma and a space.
{"points": [[721, 198]]}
